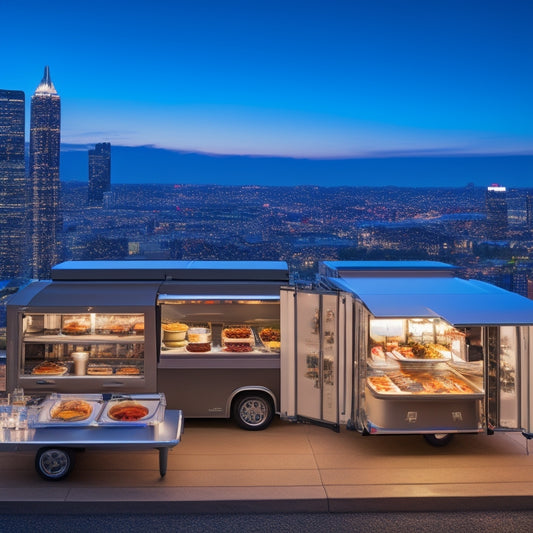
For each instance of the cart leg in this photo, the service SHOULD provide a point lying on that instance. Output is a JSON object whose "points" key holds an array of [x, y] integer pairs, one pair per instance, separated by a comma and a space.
{"points": [[163, 460]]}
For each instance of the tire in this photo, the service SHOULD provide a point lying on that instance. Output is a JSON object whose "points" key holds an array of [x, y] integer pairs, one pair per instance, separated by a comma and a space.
{"points": [[438, 439], [253, 411], [54, 464]]}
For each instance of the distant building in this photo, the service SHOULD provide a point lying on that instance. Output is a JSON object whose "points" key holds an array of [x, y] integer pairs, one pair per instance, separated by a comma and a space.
{"points": [[99, 173], [529, 203], [46, 223], [496, 209], [520, 281], [517, 208], [12, 184]]}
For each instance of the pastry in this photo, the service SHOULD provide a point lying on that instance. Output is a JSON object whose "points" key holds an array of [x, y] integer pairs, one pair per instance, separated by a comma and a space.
{"points": [[127, 371], [237, 333], [99, 370]]}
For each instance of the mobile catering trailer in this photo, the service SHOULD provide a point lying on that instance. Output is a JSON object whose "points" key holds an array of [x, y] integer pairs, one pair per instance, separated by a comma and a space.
{"points": [[406, 347], [207, 333], [381, 347]]}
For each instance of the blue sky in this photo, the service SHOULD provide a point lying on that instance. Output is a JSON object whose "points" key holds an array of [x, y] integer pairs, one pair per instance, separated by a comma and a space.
{"points": [[313, 79]]}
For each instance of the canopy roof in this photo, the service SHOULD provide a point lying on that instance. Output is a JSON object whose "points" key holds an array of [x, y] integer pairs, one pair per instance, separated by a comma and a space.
{"points": [[460, 302], [175, 270]]}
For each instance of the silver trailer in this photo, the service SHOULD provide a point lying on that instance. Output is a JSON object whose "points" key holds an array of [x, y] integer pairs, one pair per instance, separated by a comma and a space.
{"points": [[382, 347], [407, 347], [207, 334]]}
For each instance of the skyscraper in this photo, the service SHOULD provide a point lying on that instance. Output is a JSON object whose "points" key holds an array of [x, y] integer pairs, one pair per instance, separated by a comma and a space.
{"points": [[517, 209], [496, 208], [46, 222], [12, 184], [99, 173]]}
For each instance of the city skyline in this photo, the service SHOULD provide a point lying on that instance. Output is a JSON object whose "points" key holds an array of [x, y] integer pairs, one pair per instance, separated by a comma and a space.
{"points": [[298, 80]]}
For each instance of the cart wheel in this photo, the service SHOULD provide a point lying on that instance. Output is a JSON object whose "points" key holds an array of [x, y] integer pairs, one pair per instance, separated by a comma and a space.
{"points": [[438, 439], [54, 464], [253, 411]]}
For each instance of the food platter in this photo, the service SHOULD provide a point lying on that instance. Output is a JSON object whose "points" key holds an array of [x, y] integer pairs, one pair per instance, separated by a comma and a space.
{"points": [[420, 353], [95, 411], [151, 409], [49, 412]]}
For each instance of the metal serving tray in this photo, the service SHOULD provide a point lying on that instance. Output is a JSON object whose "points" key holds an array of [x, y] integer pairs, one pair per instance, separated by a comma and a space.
{"points": [[44, 418], [155, 403]]}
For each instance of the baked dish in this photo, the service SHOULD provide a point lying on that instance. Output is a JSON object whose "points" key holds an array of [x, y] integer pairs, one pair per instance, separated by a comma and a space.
{"points": [[127, 371], [50, 368], [175, 326], [99, 370], [270, 335], [127, 411], [119, 329], [75, 328], [198, 347], [71, 410], [237, 333], [238, 347], [238, 339]]}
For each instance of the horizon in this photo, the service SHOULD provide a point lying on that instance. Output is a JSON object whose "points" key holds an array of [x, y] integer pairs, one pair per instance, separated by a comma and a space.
{"points": [[143, 165], [299, 80]]}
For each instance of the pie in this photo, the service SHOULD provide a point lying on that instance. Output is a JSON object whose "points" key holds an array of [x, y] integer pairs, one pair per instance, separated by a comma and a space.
{"points": [[50, 368]]}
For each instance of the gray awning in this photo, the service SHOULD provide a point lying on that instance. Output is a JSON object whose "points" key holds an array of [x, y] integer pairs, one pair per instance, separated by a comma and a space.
{"points": [[123, 297], [460, 302]]}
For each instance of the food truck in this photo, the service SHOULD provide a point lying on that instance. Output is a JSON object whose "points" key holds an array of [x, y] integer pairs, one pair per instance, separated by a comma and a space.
{"points": [[205, 333], [406, 347], [381, 347]]}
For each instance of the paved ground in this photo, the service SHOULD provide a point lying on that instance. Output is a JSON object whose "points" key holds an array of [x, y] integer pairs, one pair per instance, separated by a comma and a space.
{"points": [[287, 468]]}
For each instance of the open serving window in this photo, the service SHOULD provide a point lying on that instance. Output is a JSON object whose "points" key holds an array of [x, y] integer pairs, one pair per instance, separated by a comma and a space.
{"points": [[220, 325], [421, 356]]}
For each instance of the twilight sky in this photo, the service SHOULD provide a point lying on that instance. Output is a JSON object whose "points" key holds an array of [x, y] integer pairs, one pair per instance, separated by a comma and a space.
{"points": [[298, 78]]}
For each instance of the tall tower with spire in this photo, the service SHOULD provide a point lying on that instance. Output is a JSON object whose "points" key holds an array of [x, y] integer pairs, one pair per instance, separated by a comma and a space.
{"points": [[46, 220]]}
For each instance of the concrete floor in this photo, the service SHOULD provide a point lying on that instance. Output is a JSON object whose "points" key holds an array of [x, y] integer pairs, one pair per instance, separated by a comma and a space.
{"points": [[286, 468]]}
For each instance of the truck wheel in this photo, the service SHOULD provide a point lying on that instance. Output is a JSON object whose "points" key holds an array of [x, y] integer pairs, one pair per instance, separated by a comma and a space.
{"points": [[54, 464], [438, 439], [253, 411]]}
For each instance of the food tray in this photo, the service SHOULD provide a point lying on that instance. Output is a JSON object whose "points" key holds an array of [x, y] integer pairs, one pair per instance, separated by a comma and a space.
{"points": [[383, 385], [235, 335], [270, 338], [44, 418], [399, 357], [155, 414]]}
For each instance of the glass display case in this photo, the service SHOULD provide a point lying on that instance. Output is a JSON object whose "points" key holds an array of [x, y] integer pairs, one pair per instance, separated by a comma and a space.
{"points": [[220, 327], [82, 345], [418, 376], [420, 357]]}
